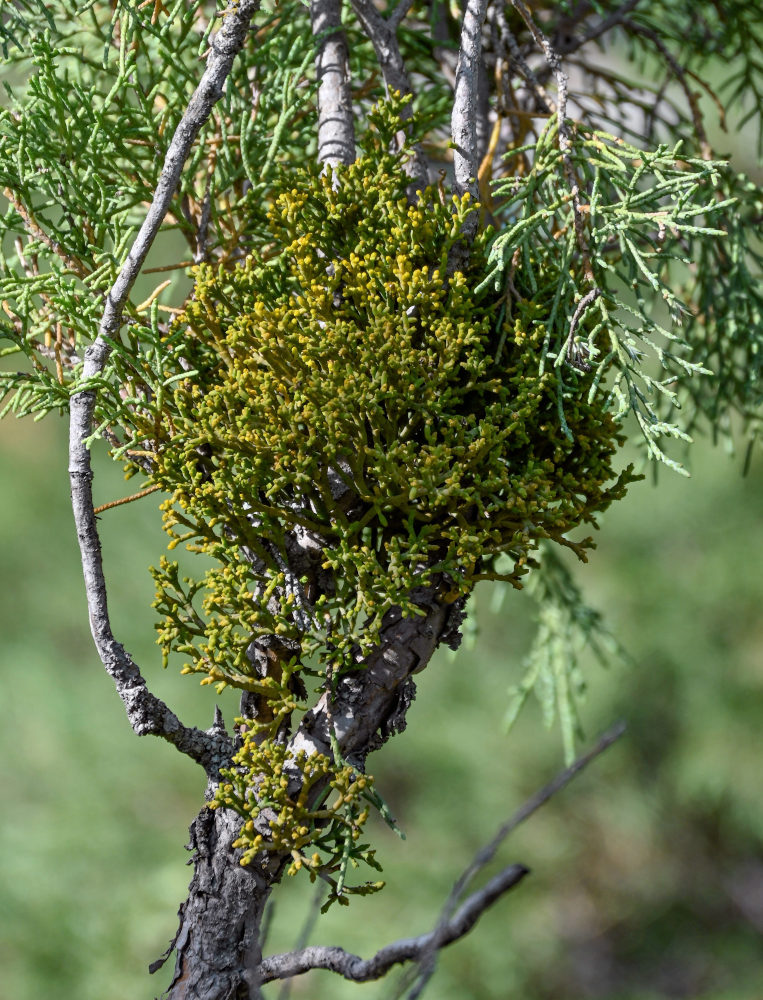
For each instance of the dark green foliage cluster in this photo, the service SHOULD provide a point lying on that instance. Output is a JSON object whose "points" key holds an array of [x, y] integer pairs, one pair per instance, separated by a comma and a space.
{"points": [[349, 389]]}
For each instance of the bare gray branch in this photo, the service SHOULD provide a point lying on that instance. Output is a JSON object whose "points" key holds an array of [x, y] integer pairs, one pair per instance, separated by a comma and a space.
{"points": [[486, 854], [509, 42], [406, 950], [395, 19], [336, 130], [465, 106], [146, 713]]}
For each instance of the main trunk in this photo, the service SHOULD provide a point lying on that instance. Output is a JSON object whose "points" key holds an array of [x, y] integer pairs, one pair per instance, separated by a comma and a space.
{"points": [[218, 940]]}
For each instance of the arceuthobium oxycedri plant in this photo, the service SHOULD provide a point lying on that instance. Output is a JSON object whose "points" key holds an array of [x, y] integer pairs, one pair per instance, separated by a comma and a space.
{"points": [[351, 389], [353, 392]]}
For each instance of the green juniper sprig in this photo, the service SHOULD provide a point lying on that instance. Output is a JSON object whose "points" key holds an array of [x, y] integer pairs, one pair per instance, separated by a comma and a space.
{"points": [[304, 807]]}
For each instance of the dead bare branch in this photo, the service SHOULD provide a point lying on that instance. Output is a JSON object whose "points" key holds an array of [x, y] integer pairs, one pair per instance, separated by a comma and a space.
{"points": [[510, 44], [486, 854], [360, 970], [453, 923]]}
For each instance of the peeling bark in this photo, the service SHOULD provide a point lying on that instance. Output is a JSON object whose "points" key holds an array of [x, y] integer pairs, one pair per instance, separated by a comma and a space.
{"points": [[366, 706]]}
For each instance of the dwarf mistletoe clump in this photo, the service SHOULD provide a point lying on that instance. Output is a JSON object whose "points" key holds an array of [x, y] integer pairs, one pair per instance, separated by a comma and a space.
{"points": [[351, 392], [349, 421]]}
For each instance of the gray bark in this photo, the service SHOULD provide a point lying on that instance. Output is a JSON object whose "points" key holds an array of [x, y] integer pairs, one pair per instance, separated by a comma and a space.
{"points": [[465, 102], [383, 36], [464, 124], [217, 943], [336, 130], [146, 712], [370, 703], [217, 946]]}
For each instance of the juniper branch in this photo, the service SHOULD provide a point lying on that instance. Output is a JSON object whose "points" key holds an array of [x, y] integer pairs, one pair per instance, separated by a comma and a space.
{"points": [[336, 130], [511, 45], [614, 20], [680, 73], [360, 970], [486, 854], [565, 140], [146, 712], [383, 36]]}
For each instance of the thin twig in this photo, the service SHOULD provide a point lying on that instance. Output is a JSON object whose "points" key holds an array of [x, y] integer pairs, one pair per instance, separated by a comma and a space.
{"points": [[202, 230], [565, 139], [304, 935], [146, 712], [614, 20], [542, 97], [360, 970], [34, 229], [118, 503], [486, 854], [576, 357], [680, 74]]}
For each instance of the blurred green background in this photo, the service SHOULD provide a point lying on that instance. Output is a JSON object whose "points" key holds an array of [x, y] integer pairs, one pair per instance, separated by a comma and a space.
{"points": [[647, 872]]}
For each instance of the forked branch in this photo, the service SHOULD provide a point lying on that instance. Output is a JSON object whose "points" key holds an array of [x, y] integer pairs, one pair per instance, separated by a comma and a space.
{"points": [[453, 923], [483, 857], [382, 34]]}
